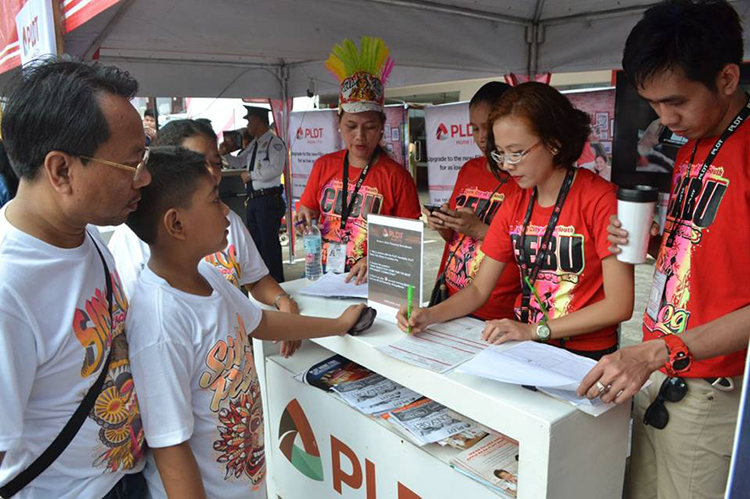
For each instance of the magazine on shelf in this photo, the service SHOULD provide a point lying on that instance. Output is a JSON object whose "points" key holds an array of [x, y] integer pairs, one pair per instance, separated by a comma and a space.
{"points": [[493, 461], [427, 421], [375, 394], [333, 371]]}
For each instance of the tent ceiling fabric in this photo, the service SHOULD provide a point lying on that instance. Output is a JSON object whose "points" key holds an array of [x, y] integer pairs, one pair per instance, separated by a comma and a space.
{"points": [[234, 49]]}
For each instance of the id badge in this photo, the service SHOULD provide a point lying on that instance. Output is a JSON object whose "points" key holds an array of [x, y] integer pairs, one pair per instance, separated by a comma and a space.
{"points": [[657, 291], [336, 261]]}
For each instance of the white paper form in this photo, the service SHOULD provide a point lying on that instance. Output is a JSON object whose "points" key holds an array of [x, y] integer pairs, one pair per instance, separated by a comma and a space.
{"points": [[335, 286], [553, 370], [441, 347]]}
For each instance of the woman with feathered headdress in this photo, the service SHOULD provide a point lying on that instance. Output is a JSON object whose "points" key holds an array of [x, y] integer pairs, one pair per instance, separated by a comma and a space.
{"points": [[372, 181]]}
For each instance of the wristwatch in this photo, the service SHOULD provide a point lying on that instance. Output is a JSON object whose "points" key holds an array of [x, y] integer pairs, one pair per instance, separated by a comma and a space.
{"points": [[680, 358], [543, 332]]}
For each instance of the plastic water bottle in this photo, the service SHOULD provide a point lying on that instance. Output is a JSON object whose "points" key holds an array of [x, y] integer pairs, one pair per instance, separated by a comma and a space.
{"points": [[313, 248]]}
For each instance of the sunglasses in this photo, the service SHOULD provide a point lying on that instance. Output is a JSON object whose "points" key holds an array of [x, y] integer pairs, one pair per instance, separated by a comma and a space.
{"points": [[672, 390]]}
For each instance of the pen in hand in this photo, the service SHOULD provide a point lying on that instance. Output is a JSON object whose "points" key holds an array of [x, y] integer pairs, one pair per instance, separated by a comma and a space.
{"points": [[409, 298]]}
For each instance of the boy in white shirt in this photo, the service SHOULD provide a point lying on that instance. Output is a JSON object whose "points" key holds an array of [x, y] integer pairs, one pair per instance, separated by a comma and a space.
{"points": [[240, 261], [190, 341]]}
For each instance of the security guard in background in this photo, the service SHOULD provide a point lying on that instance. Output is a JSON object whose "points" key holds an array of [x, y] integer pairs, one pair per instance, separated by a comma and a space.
{"points": [[263, 161]]}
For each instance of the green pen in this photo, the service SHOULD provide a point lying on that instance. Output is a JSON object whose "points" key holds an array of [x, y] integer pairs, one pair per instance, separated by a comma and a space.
{"points": [[538, 298], [409, 298]]}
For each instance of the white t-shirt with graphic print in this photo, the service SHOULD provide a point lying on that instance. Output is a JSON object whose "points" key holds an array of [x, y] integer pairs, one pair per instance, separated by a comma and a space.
{"points": [[54, 340], [240, 261], [193, 365]]}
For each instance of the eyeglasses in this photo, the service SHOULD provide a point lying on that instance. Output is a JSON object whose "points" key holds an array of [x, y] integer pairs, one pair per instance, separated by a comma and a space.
{"points": [[133, 169], [511, 158], [672, 390]]}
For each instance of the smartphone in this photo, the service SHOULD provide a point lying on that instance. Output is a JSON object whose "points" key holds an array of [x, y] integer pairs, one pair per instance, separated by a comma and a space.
{"points": [[432, 207], [233, 138]]}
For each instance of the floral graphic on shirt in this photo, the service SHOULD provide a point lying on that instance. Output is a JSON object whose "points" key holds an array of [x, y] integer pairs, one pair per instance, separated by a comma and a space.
{"points": [[121, 437], [231, 375], [559, 273], [465, 262], [692, 209], [368, 200], [226, 262]]}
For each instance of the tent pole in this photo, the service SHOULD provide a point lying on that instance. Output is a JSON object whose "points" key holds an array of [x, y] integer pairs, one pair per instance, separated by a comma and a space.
{"points": [[284, 83]]}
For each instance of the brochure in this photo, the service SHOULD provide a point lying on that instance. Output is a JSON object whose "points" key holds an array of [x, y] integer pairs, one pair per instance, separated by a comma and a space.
{"points": [[493, 461]]}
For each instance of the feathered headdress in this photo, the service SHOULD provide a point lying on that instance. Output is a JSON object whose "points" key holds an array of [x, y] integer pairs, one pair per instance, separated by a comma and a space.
{"points": [[362, 73]]}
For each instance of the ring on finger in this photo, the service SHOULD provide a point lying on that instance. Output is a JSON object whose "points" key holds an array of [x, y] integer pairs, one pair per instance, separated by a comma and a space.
{"points": [[600, 386]]}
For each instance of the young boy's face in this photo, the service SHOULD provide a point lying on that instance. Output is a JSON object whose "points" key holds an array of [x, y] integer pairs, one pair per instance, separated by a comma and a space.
{"points": [[206, 223]]}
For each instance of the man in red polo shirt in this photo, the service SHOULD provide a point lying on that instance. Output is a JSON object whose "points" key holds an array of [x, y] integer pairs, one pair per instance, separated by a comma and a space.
{"points": [[684, 58]]}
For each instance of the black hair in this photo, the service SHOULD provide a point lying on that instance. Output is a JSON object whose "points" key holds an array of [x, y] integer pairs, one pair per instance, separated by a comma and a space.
{"points": [[6, 171], [205, 121], [489, 93], [697, 37], [54, 105], [175, 132], [150, 113], [175, 175]]}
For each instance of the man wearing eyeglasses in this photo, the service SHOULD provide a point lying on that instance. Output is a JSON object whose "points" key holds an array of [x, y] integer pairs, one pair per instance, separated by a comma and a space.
{"points": [[684, 58], [78, 146]]}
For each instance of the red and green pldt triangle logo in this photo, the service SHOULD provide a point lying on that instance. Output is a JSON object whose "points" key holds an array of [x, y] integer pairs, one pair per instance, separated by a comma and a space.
{"points": [[294, 422]]}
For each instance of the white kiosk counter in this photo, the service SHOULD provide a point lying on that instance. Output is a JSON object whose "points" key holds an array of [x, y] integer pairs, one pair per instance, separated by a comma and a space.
{"points": [[319, 447]]}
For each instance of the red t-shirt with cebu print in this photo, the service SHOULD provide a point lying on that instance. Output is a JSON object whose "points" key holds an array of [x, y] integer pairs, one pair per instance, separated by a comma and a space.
{"points": [[571, 277], [474, 186], [704, 274], [388, 190]]}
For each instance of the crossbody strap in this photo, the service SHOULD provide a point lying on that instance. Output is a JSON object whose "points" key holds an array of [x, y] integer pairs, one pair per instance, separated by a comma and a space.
{"points": [[69, 431]]}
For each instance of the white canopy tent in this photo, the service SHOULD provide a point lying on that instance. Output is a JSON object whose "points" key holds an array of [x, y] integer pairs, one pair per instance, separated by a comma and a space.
{"points": [[275, 49]]}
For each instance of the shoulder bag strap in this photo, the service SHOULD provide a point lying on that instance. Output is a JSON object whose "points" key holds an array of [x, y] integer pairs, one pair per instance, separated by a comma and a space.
{"points": [[74, 424]]}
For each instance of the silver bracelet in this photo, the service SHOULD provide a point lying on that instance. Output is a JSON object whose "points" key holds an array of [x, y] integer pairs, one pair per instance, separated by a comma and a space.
{"points": [[279, 297]]}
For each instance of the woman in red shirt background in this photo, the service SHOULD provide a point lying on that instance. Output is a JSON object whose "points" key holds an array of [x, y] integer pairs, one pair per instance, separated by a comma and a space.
{"points": [[478, 192]]}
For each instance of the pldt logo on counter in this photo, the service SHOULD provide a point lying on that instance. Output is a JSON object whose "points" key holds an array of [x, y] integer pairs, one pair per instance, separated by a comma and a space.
{"points": [[307, 460]]}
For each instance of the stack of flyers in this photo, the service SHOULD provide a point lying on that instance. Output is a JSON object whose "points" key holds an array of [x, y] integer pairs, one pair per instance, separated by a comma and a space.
{"points": [[375, 394], [426, 421]]}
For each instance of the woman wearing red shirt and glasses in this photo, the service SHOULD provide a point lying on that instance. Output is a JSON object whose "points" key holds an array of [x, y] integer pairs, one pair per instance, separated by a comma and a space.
{"points": [[575, 291]]}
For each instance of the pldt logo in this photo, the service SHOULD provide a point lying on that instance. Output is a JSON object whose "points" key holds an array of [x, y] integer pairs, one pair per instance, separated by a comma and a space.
{"points": [[309, 133], [442, 132], [306, 460], [461, 131]]}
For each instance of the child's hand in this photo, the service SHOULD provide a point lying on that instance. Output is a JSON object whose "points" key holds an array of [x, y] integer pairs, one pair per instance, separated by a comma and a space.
{"points": [[350, 317], [420, 319]]}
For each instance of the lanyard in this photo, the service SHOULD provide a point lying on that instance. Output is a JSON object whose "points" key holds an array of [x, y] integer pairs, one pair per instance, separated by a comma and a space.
{"points": [[346, 208], [543, 248], [691, 193]]}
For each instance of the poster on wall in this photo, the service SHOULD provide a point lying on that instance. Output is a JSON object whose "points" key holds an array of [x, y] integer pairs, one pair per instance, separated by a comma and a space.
{"points": [[449, 145], [600, 106], [313, 134], [393, 134]]}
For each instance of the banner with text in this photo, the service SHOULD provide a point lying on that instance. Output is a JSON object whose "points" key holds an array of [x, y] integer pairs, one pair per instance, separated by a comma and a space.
{"points": [[449, 145], [312, 134], [36, 30]]}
